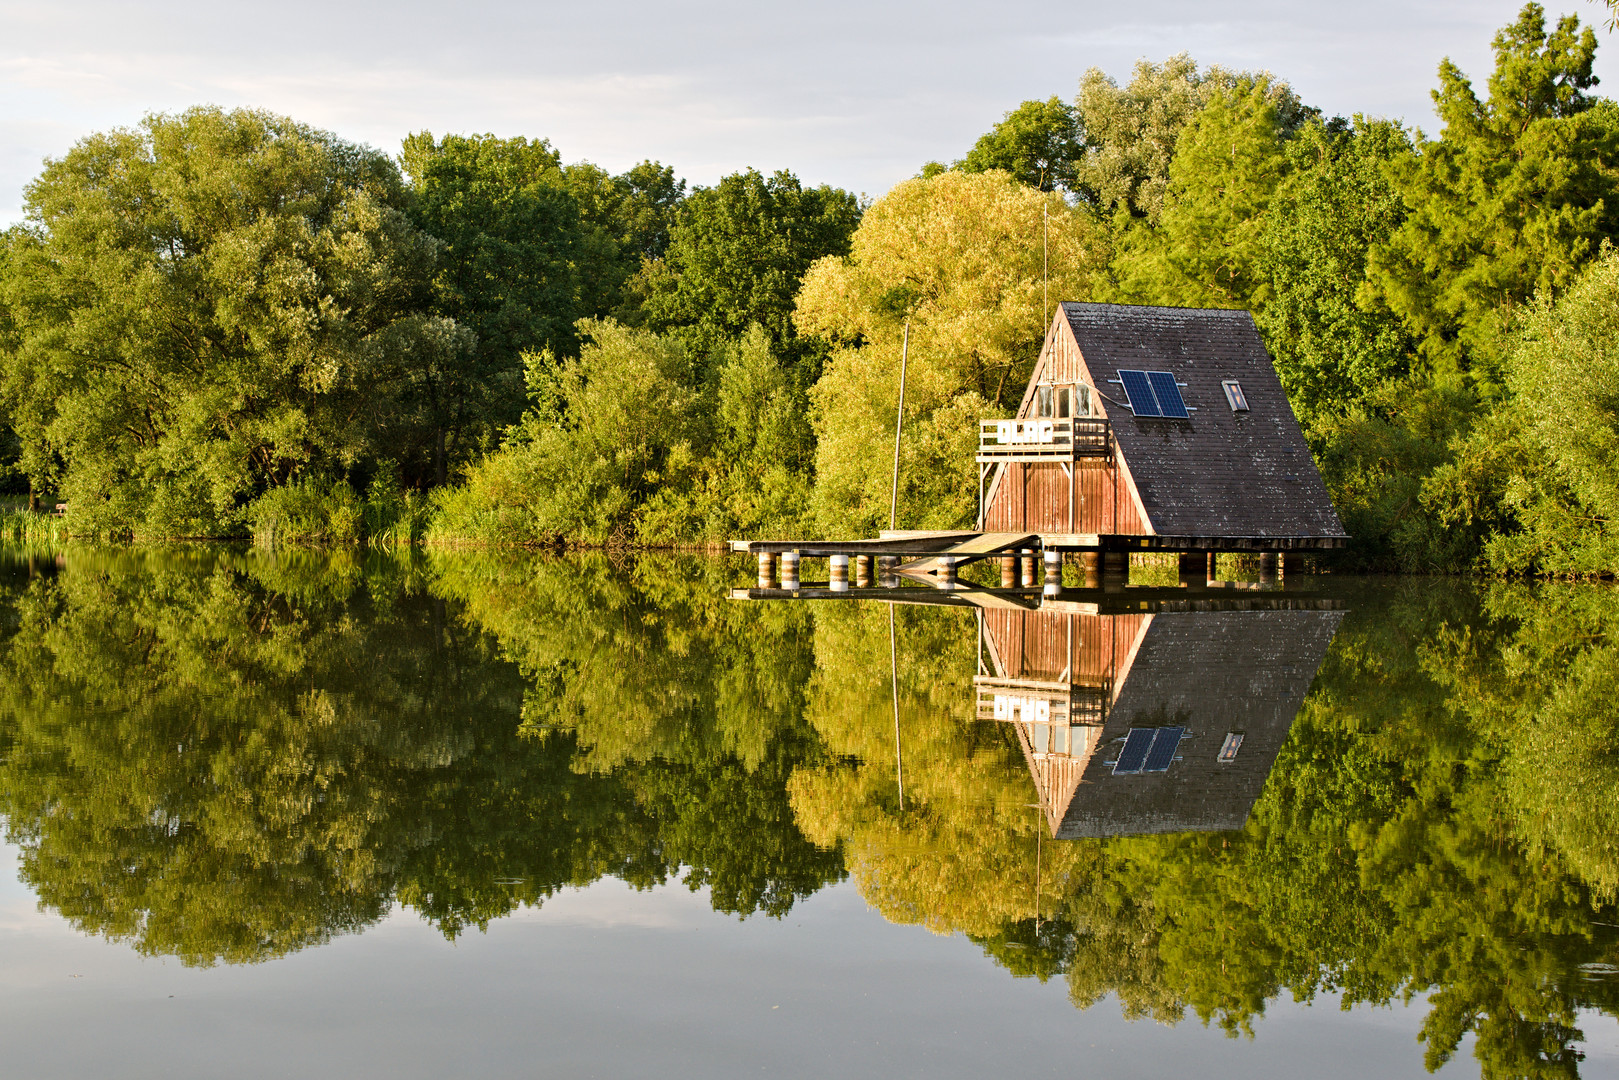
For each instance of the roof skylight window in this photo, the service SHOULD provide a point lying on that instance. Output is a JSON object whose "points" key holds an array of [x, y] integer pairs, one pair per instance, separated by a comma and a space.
{"points": [[1235, 396]]}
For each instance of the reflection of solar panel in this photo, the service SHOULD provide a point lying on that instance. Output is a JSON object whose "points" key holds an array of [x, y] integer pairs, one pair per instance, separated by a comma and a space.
{"points": [[1148, 750], [1142, 402], [1168, 394], [1163, 749], [1136, 745]]}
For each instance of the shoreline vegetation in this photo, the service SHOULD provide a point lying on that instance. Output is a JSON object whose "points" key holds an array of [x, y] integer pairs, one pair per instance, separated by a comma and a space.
{"points": [[226, 324]]}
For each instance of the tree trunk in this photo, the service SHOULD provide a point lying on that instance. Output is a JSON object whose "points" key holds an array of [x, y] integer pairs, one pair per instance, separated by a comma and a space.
{"points": [[438, 458], [33, 497]]}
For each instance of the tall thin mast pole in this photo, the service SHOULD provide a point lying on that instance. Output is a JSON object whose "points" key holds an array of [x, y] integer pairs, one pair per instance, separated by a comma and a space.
{"points": [[1045, 267], [893, 668], [899, 423]]}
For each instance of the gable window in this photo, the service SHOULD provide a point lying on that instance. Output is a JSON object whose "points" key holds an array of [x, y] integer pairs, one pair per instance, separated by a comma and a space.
{"points": [[1234, 395], [1055, 402]]}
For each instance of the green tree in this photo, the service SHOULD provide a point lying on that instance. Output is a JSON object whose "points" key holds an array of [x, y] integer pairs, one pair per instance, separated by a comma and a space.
{"points": [[1331, 352], [737, 254], [627, 220], [210, 305], [1038, 143], [1538, 474], [609, 428], [1512, 199], [1204, 251], [512, 272], [1131, 133]]}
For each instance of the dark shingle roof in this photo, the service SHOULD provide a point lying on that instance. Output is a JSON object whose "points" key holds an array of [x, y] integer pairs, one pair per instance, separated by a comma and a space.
{"points": [[1221, 473]]}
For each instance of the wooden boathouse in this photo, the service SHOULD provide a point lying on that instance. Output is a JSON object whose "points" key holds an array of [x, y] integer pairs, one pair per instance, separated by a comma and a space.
{"points": [[1142, 429]]}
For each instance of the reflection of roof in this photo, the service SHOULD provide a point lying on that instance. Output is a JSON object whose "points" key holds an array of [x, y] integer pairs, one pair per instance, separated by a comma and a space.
{"points": [[1211, 673], [1219, 473]]}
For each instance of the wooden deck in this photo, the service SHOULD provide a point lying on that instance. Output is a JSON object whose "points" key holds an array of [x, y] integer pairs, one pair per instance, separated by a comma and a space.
{"points": [[970, 546]]}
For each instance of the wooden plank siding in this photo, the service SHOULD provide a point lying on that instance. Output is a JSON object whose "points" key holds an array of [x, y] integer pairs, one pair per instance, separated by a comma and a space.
{"points": [[1084, 650], [1100, 498]]}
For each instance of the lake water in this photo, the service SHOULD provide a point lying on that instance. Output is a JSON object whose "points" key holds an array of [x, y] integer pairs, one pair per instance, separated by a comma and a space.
{"points": [[473, 814]]}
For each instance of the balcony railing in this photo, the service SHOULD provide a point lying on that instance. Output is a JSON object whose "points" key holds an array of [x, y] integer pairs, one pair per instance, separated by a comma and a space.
{"points": [[1043, 440]]}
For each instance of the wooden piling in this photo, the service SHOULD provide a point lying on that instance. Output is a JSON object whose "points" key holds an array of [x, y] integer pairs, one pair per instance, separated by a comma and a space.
{"points": [[837, 571], [862, 571], [1053, 572]]}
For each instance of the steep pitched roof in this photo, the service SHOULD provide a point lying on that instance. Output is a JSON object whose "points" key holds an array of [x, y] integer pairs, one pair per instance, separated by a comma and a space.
{"points": [[1221, 473]]}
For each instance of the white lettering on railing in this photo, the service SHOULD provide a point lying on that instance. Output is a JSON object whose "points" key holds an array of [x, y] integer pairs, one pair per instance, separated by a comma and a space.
{"points": [[1012, 707], [1017, 432]]}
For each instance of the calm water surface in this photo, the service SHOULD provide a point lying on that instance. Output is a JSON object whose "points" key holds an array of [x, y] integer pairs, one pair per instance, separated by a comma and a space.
{"points": [[475, 815]]}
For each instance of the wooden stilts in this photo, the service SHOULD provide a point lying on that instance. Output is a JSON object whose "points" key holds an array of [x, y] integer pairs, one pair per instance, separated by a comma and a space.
{"points": [[1053, 573], [837, 571]]}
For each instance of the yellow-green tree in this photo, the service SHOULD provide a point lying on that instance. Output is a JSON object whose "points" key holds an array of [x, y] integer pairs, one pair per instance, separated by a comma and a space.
{"points": [[959, 255]]}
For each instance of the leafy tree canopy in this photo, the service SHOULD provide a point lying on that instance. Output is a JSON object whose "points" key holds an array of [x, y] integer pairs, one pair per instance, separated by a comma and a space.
{"points": [[1229, 161], [1131, 132], [1038, 143], [1514, 197], [1337, 201], [205, 307], [737, 253]]}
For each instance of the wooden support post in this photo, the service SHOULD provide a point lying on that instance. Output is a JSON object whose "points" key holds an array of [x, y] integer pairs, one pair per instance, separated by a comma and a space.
{"points": [[837, 572], [1091, 563], [1292, 564], [1115, 568], [888, 571], [1028, 568], [1214, 567], [767, 570], [1267, 567], [1008, 571], [789, 570], [1194, 568], [862, 571]]}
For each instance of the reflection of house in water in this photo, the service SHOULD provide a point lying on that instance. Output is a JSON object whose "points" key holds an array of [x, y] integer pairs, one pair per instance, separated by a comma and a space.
{"points": [[1151, 722]]}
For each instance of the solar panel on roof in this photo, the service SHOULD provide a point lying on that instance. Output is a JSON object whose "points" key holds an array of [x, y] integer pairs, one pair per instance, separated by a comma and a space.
{"points": [[1136, 745], [1168, 394], [1164, 745], [1136, 387]]}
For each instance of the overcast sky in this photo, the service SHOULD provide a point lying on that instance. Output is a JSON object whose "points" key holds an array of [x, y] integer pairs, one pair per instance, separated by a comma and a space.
{"points": [[857, 94]]}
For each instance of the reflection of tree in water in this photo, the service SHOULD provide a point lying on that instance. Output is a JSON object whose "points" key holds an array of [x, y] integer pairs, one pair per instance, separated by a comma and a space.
{"points": [[233, 756], [692, 703], [1406, 846]]}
